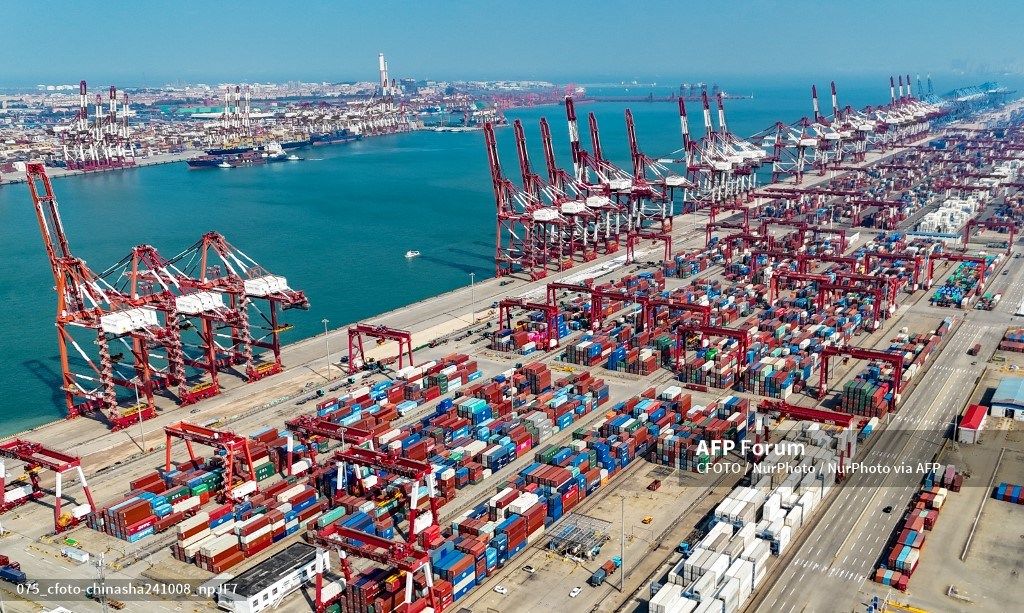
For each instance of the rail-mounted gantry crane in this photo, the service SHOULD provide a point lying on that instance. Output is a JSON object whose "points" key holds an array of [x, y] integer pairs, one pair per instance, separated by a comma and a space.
{"points": [[36, 457], [382, 334]]}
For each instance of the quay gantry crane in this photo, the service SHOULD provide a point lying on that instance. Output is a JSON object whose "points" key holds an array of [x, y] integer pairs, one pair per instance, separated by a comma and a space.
{"points": [[828, 150], [145, 276], [550, 311], [588, 218], [894, 359], [652, 199], [517, 246], [85, 302], [233, 445], [214, 265], [553, 233], [382, 334], [36, 457]]}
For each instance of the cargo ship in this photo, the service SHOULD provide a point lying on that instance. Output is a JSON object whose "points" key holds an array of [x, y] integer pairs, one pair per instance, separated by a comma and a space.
{"points": [[264, 154], [335, 137], [246, 148]]}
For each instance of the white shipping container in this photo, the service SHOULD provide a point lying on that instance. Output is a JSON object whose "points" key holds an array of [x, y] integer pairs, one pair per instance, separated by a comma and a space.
{"points": [[228, 526], [201, 518], [218, 544], [192, 502], [250, 538], [245, 489]]}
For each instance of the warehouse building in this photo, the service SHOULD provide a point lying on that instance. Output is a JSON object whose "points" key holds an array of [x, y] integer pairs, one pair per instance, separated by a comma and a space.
{"points": [[265, 585], [1008, 401]]}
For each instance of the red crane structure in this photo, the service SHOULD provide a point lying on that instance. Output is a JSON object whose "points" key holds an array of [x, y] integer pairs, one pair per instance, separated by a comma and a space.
{"points": [[35, 457], [991, 224], [419, 473], [382, 333], [825, 290], [711, 226], [959, 257], [401, 556], [212, 264], [773, 285], [520, 244], [86, 303], [815, 414], [146, 277], [913, 258], [895, 359], [550, 311], [634, 237], [233, 445], [789, 145], [557, 235], [683, 330], [651, 306], [598, 294], [586, 219], [828, 150], [308, 426], [653, 198], [803, 227]]}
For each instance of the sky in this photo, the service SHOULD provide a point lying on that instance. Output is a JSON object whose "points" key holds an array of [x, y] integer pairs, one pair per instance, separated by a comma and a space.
{"points": [[149, 42]]}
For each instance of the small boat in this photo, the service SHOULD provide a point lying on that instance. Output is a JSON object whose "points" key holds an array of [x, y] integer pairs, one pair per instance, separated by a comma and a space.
{"points": [[225, 164], [411, 254], [294, 158]]}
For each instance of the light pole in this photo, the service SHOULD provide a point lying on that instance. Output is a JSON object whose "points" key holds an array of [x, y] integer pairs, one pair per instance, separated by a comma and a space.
{"points": [[472, 294], [327, 342], [142, 428]]}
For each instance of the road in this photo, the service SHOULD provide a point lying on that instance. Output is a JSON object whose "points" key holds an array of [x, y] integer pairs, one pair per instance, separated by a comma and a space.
{"points": [[840, 553]]}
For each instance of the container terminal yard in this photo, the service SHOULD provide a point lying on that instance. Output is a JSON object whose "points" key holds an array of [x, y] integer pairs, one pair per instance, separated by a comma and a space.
{"points": [[677, 394]]}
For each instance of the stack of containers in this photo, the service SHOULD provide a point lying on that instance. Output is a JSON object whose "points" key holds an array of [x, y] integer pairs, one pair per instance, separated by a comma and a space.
{"points": [[907, 543], [1013, 340], [1009, 492]]}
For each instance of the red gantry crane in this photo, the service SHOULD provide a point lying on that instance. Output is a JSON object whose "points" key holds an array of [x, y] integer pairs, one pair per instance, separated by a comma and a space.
{"points": [[214, 265], [86, 303], [146, 276], [36, 457], [403, 557], [308, 426], [383, 334], [233, 445], [894, 359], [991, 224], [516, 241], [550, 311]]}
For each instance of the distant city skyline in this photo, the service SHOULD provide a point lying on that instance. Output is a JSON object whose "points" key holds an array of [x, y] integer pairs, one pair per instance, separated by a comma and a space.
{"points": [[152, 43]]}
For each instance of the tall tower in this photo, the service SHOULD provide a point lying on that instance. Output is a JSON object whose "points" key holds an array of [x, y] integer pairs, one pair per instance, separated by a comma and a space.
{"points": [[382, 65]]}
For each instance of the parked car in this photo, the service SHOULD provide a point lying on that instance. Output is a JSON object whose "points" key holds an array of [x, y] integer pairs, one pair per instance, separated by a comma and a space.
{"points": [[501, 589], [575, 592], [529, 569]]}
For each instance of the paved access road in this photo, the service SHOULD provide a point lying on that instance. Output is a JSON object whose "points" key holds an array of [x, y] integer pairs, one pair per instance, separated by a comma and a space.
{"points": [[828, 569]]}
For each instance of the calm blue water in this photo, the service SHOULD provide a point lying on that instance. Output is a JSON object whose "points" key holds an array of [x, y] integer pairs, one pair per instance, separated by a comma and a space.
{"points": [[336, 226]]}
